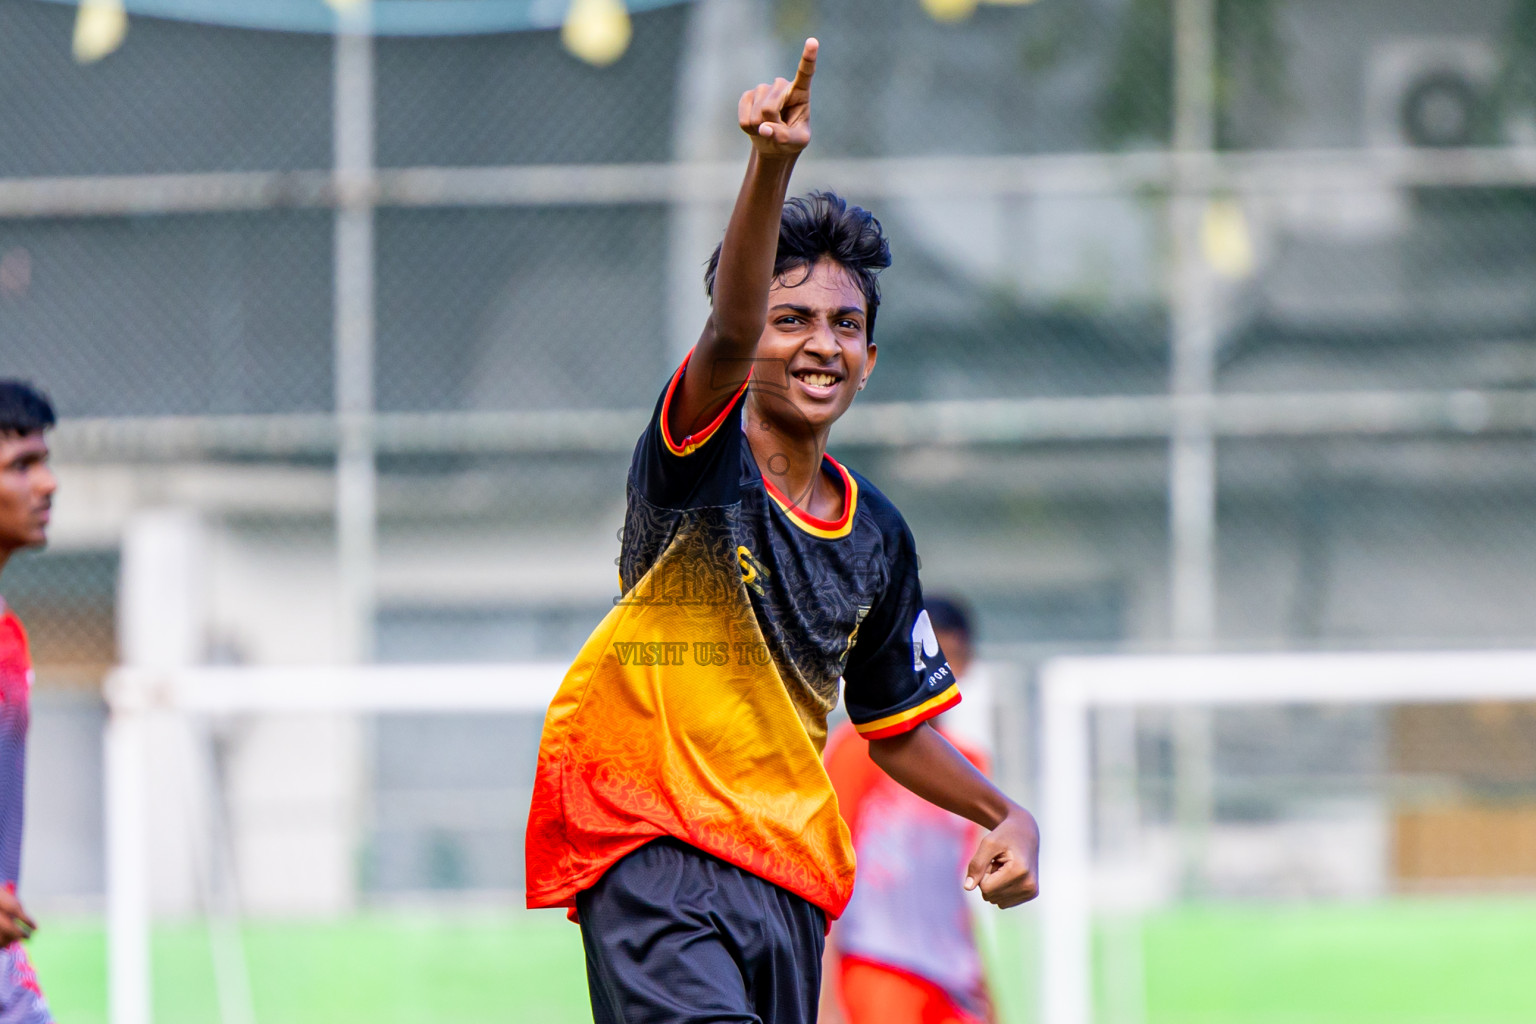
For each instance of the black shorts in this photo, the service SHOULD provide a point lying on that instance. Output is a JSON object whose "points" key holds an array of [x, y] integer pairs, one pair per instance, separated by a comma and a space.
{"points": [[676, 936]]}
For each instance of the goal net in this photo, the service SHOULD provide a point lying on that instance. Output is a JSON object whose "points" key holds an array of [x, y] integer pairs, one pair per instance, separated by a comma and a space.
{"points": [[1319, 837], [303, 798], [1293, 837], [360, 806], [270, 829]]}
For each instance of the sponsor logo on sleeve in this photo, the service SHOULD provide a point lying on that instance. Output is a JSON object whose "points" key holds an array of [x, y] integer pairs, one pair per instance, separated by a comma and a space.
{"points": [[925, 642]]}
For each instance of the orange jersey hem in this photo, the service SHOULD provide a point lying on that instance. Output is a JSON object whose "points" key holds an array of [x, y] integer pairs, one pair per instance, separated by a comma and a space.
{"points": [[621, 769], [564, 895]]}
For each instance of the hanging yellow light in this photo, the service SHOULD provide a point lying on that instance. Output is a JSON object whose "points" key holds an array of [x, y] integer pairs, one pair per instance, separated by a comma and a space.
{"points": [[597, 31], [1226, 239], [100, 27], [949, 10], [959, 10]]}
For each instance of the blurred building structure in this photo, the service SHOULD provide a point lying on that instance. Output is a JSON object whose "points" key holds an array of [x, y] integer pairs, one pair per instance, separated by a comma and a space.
{"points": [[1342, 233]]}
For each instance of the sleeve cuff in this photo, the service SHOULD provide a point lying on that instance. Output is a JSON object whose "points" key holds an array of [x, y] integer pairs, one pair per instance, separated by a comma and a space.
{"points": [[905, 721], [693, 442]]}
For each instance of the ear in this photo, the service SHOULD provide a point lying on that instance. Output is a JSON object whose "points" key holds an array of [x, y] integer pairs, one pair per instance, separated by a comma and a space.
{"points": [[869, 367]]}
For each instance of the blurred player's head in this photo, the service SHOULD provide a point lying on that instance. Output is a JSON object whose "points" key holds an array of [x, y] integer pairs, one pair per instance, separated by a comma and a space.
{"points": [[951, 620], [26, 482], [817, 348]]}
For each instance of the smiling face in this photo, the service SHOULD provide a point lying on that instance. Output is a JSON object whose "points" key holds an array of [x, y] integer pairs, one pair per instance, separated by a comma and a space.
{"points": [[814, 354], [26, 491]]}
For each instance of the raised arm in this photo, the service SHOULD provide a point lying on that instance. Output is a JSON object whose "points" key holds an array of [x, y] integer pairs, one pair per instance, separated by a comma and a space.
{"points": [[777, 118], [1006, 862]]}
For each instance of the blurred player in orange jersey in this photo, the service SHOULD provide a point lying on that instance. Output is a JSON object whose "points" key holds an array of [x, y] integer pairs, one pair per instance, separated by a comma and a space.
{"points": [[26, 497], [905, 951]]}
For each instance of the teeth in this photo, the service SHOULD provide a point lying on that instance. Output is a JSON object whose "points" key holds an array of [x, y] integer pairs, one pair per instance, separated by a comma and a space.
{"points": [[819, 379]]}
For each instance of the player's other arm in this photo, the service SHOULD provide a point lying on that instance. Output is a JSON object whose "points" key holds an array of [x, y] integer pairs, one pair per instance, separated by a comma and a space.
{"points": [[777, 118], [1006, 862], [15, 923]]}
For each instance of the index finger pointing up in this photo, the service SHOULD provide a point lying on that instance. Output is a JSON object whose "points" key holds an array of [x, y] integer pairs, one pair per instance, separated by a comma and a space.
{"points": [[807, 66]]}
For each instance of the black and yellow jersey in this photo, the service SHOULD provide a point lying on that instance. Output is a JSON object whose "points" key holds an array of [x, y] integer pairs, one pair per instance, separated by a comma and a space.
{"points": [[698, 707]]}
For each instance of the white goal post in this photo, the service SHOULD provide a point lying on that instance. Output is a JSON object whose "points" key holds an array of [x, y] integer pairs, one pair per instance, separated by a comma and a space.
{"points": [[1071, 688], [139, 697], [135, 695]]}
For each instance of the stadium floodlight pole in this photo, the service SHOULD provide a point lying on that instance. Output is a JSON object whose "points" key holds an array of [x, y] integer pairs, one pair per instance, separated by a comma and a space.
{"points": [[1192, 457], [1067, 976], [1192, 450], [356, 471]]}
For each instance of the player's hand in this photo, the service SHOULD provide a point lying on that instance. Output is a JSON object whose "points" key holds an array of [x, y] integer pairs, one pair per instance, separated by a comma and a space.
{"points": [[15, 923], [777, 117], [1006, 865]]}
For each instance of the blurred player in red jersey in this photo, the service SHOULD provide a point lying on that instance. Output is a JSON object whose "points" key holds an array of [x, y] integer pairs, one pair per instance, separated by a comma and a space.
{"points": [[26, 495], [904, 952]]}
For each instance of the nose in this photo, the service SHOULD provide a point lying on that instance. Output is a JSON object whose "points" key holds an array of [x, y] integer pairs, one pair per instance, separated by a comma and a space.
{"points": [[822, 342], [47, 482]]}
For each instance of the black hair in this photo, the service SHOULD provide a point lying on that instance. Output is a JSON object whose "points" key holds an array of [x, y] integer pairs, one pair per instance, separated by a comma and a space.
{"points": [[24, 409], [949, 615], [823, 226]]}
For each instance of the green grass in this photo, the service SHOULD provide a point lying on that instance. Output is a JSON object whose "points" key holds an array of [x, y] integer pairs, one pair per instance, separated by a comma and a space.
{"points": [[1404, 961], [386, 969]]}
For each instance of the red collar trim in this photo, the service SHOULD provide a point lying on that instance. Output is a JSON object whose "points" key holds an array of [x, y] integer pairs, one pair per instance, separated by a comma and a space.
{"points": [[826, 528]]}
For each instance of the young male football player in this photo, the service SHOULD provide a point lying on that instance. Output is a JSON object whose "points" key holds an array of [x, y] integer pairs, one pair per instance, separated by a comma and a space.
{"points": [[26, 494], [680, 807]]}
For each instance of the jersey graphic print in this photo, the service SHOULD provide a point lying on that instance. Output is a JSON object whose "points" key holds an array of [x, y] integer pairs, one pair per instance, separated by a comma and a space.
{"points": [[21, 1000], [698, 707]]}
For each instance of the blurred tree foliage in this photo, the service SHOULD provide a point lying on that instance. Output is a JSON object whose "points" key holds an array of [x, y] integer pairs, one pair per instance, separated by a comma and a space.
{"points": [[794, 20], [1511, 117], [1517, 74], [1137, 105]]}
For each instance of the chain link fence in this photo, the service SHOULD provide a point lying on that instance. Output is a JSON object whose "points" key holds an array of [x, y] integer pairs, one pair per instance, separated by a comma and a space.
{"points": [[1358, 264]]}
